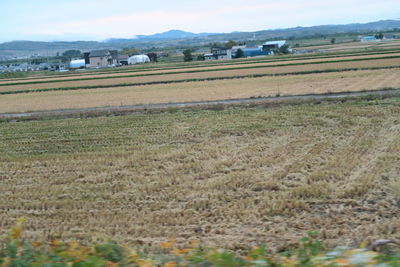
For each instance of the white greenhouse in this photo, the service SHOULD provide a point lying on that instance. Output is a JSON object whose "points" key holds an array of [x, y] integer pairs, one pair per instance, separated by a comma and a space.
{"points": [[77, 64], [139, 59]]}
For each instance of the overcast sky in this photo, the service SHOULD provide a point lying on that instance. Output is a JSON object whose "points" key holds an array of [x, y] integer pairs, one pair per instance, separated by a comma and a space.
{"points": [[50, 20]]}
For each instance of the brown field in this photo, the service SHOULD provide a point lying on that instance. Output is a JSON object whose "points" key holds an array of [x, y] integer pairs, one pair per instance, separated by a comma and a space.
{"points": [[222, 66], [230, 178], [208, 74], [357, 46], [210, 90]]}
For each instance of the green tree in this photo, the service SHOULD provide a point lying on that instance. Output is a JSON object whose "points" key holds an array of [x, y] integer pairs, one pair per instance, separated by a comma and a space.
{"points": [[131, 51], [187, 55], [284, 49], [201, 57], [379, 36], [239, 53], [153, 57], [70, 54], [37, 61], [230, 44], [333, 40]]}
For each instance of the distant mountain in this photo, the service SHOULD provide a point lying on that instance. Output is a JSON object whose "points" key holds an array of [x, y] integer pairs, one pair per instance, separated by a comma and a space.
{"points": [[174, 34], [178, 38], [169, 35]]}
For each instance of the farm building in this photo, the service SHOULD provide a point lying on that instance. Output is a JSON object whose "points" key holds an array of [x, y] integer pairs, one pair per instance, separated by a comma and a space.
{"points": [[370, 38], [123, 59], [273, 45], [102, 58], [138, 59], [77, 64], [218, 53], [249, 51]]}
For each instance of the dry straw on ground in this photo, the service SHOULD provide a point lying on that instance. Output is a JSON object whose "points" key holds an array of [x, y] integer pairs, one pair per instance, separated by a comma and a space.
{"points": [[209, 74], [232, 178], [205, 67], [196, 91]]}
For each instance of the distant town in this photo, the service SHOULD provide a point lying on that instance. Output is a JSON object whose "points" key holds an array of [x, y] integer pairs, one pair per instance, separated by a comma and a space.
{"points": [[108, 58]]}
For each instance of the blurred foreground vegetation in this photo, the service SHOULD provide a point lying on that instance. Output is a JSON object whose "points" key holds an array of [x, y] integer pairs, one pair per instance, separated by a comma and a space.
{"points": [[15, 251]]}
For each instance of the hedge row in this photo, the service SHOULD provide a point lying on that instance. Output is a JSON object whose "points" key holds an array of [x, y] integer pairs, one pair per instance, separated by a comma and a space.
{"points": [[15, 252]]}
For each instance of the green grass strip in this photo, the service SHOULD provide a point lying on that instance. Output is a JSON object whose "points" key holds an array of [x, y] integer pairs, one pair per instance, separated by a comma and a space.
{"points": [[192, 80]]}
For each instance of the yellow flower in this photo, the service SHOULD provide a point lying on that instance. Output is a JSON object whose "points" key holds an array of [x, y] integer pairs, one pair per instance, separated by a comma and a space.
{"points": [[180, 252], [168, 244], [248, 258], [36, 244], [145, 263], [364, 244], [133, 256], [112, 264], [21, 220], [342, 262], [16, 232], [170, 264], [54, 243], [289, 262], [73, 244], [185, 250]]}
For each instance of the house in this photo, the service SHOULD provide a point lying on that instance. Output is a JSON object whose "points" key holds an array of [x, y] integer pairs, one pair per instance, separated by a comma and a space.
{"points": [[369, 38], [102, 58], [273, 45], [219, 53], [122, 59]]}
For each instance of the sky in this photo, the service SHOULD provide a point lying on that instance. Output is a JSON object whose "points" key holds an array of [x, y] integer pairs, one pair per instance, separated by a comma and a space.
{"points": [[70, 20]]}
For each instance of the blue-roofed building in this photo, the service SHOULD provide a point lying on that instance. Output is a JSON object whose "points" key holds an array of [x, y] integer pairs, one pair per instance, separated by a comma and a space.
{"points": [[369, 38], [249, 51]]}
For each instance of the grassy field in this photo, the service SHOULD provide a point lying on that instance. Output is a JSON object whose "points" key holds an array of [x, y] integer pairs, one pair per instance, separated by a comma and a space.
{"points": [[229, 178]]}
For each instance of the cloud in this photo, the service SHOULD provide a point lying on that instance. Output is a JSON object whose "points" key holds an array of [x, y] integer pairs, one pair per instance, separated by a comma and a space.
{"points": [[230, 18], [205, 16]]}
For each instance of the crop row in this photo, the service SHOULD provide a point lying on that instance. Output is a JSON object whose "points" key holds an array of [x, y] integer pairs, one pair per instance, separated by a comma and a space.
{"points": [[199, 71], [210, 64], [232, 178], [193, 80]]}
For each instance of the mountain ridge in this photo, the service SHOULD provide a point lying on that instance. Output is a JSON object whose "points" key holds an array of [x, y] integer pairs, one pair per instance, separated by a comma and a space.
{"points": [[179, 38]]}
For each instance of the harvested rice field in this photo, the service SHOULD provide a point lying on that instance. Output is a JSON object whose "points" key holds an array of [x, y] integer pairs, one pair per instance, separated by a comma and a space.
{"points": [[205, 90], [190, 74], [227, 177], [244, 63], [231, 178]]}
